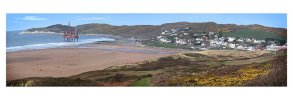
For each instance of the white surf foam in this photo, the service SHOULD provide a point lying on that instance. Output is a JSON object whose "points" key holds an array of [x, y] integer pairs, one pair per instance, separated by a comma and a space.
{"points": [[55, 45]]}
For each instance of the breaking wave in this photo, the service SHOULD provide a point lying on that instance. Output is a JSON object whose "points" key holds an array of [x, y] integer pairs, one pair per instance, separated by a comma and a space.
{"points": [[55, 45]]}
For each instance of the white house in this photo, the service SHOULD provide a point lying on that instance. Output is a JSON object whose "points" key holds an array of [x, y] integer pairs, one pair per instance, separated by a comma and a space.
{"points": [[158, 37], [180, 41], [199, 39], [275, 48], [258, 41], [240, 47], [230, 39], [222, 39], [248, 40], [211, 33], [165, 40], [250, 48], [185, 33], [174, 30], [231, 45], [240, 40]]}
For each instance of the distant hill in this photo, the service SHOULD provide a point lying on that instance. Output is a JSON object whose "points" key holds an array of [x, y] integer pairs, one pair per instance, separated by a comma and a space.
{"points": [[258, 34], [151, 31], [58, 28]]}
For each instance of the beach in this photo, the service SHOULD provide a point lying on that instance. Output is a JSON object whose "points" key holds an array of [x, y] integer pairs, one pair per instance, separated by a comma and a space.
{"points": [[63, 62]]}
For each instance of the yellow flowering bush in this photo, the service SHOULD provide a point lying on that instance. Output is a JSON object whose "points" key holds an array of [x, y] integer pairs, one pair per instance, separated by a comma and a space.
{"points": [[237, 78]]}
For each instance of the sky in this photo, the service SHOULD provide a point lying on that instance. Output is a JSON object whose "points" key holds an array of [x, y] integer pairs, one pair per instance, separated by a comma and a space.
{"points": [[23, 21]]}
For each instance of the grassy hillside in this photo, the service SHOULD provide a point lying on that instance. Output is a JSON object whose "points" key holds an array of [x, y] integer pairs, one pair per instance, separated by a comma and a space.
{"points": [[151, 31], [258, 34], [205, 68], [49, 81], [58, 28], [142, 82]]}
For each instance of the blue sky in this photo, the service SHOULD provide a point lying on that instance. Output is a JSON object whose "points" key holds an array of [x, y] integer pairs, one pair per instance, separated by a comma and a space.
{"points": [[24, 21]]}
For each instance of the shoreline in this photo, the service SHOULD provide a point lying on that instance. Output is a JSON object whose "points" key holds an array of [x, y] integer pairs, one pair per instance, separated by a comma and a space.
{"points": [[63, 62]]}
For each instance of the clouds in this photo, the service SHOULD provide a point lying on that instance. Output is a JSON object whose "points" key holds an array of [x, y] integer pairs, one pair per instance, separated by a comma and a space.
{"points": [[67, 17], [24, 21], [33, 18], [93, 18]]}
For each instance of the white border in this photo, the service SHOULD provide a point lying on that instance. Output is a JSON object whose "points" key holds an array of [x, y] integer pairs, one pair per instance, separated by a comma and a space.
{"points": [[143, 6]]}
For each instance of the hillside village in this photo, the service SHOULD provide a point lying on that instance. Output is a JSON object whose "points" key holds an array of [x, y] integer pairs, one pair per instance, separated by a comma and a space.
{"points": [[214, 40], [195, 36]]}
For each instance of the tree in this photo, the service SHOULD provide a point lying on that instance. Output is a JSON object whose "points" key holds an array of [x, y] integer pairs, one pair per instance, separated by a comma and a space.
{"points": [[226, 40], [220, 34]]}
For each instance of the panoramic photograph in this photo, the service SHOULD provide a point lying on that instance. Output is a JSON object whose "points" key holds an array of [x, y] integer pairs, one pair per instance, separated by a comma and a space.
{"points": [[146, 49]]}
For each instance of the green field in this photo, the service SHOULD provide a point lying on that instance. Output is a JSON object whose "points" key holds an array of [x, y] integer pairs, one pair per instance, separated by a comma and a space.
{"points": [[142, 82], [160, 44], [259, 35]]}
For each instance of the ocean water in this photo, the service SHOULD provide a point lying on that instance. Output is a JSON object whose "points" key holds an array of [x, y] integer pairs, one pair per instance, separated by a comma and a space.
{"points": [[19, 42]]}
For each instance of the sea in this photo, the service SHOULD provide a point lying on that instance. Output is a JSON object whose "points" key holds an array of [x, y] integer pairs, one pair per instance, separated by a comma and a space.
{"points": [[19, 42]]}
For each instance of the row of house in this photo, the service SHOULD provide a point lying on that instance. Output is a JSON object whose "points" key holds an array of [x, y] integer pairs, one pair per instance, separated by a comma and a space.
{"points": [[213, 40]]}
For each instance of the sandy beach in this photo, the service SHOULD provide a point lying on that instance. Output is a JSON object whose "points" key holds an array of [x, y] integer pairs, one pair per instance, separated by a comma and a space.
{"points": [[62, 62]]}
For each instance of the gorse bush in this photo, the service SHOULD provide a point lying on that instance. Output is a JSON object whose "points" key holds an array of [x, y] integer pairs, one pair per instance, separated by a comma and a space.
{"points": [[237, 78]]}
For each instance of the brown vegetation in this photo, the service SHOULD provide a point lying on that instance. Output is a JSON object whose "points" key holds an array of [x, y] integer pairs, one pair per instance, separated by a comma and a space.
{"points": [[187, 69]]}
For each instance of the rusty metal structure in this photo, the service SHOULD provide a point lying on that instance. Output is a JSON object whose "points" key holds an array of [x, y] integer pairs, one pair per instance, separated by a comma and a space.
{"points": [[71, 34]]}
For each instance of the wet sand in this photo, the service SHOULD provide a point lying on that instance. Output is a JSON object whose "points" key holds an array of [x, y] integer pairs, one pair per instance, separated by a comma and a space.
{"points": [[63, 62]]}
